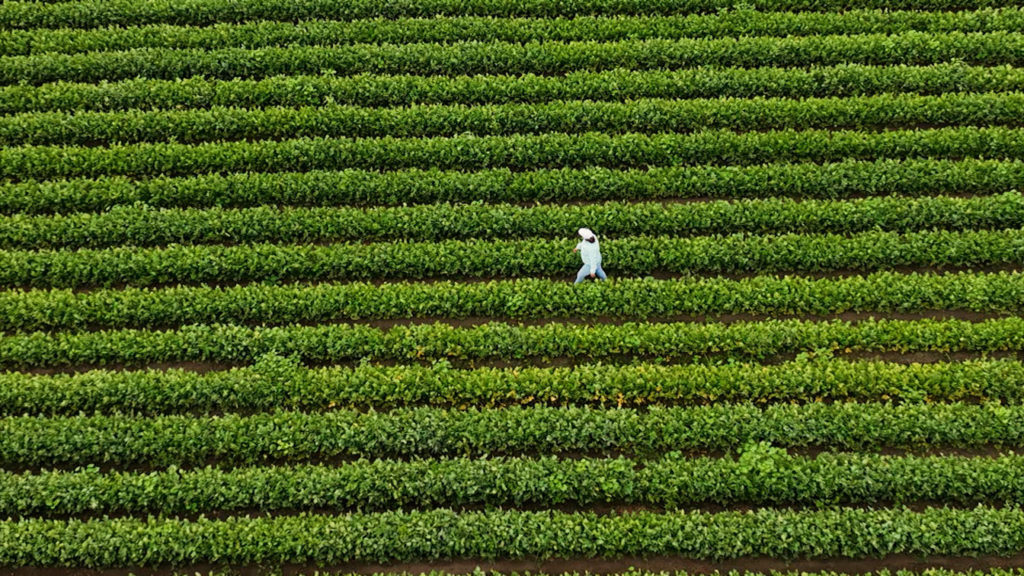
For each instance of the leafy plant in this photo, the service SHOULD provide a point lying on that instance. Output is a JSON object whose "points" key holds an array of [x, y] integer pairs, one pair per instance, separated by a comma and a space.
{"points": [[282, 436]]}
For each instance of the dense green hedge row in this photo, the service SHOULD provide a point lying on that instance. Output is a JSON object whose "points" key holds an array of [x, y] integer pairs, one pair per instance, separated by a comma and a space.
{"points": [[230, 439], [577, 117], [545, 58], [141, 225], [761, 476], [444, 534], [340, 342], [517, 152], [275, 305], [101, 13], [466, 259], [461, 29], [613, 85], [843, 179], [275, 382]]}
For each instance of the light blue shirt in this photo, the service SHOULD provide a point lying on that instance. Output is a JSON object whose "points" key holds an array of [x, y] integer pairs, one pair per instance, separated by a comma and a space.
{"points": [[591, 254]]}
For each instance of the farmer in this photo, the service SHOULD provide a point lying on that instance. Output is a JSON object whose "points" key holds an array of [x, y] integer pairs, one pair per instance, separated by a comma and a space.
{"points": [[590, 251]]}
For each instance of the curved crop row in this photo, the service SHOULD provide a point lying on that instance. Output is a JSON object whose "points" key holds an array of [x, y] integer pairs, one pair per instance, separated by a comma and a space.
{"points": [[634, 256], [517, 152], [545, 58], [341, 342], [617, 85], [760, 476], [577, 117], [105, 13], [845, 179], [230, 439], [142, 225], [488, 29], [275, 305], [276, 383]]}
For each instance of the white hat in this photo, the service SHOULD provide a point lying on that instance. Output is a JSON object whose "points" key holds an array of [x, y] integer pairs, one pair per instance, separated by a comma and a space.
{"points": [[586, 233]]}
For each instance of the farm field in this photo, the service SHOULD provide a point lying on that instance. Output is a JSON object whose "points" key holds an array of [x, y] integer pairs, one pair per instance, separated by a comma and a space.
{"points": [[286, 287]]}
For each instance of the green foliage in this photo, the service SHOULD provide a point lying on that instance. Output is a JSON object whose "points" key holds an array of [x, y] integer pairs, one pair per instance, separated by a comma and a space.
{"points": [[230, 439], [617, 85], [301, 154], [275, 305], [142, 225], [517, 152], [331, 343], [274, 382], [100, 13], [637, 256], [443, 534], [406, 30], [512, 58], [762, 476], [642, 117], [912, 177]]}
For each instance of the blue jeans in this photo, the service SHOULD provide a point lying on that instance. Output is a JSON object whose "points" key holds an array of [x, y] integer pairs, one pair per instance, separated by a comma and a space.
{"points": [[584, 272]]}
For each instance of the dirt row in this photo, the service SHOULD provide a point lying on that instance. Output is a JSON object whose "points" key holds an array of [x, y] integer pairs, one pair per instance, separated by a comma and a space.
{"points": [[474, 321], [597, 566], [600, 509], [569, 276], [639, 458], [533, 362]]}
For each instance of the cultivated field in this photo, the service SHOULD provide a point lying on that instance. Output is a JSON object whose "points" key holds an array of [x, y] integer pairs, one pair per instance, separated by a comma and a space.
{"points": [[286, 285]]}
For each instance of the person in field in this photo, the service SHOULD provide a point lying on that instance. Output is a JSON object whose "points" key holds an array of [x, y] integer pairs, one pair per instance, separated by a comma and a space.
{"points": [[590, 252]]}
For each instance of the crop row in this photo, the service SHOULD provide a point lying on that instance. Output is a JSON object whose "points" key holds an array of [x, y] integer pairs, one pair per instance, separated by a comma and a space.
{"points": [[760, 476], [529, 298], [341, 342], [274, 383], [616, 85], [488, 29], [104, 13], [462, 259], [545, 58], [517, 152], [229, 439], [141, 225], [913, 177], [577, 117], [444, 534]]}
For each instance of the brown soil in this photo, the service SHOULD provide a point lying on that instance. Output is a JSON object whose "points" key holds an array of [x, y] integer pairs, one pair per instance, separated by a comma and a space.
{"points": [[639, 458], [604, 566], [926, 357], [558, 362], [197, 139], [600, 509], [968, 315], [668, 201], [472, 321]]}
